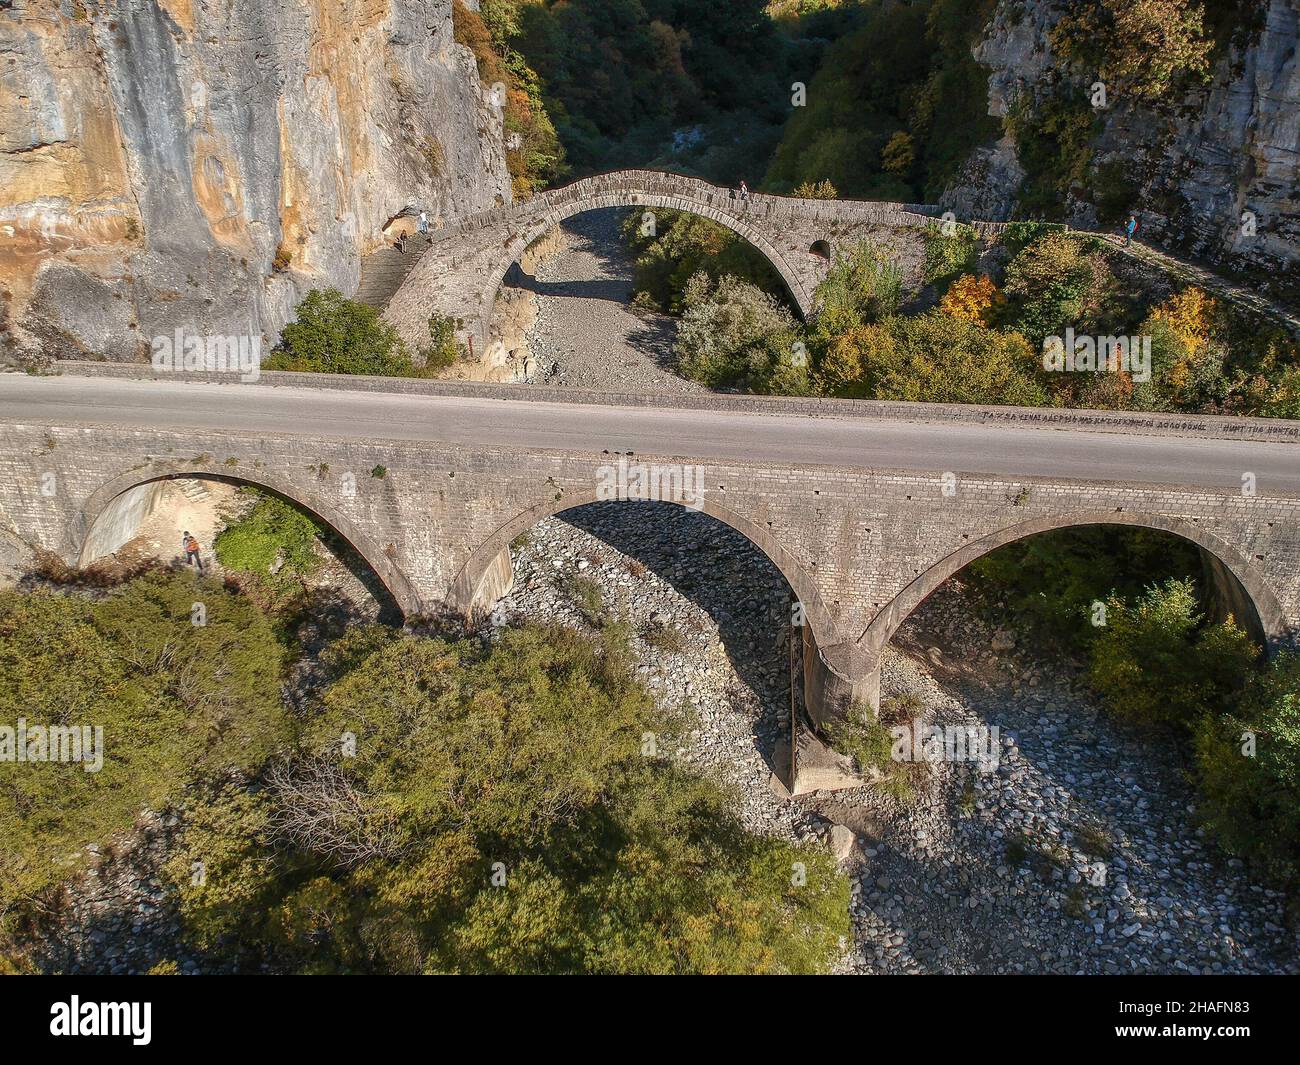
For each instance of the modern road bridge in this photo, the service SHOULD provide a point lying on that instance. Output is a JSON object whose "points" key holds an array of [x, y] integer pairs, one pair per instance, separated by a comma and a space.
{"points": [[864, 507]]}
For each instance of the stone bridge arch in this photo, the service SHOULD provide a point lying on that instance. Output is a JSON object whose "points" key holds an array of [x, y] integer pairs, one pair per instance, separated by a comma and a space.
{"points": [[629, 189], [1269, 621], [460, 273], [477, 586], [109, 499]]}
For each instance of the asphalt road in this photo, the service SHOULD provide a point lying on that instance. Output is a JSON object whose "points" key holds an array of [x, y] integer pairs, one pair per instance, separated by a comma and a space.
{"points": [[700, 435]]}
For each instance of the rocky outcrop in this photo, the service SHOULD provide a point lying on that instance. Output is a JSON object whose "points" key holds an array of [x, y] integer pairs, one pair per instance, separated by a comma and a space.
{"points": [[201, 164], [1196, 163]]}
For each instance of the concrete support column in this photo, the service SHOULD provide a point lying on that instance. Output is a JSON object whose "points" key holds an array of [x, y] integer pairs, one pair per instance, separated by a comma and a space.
{"points": [[836, 678]]}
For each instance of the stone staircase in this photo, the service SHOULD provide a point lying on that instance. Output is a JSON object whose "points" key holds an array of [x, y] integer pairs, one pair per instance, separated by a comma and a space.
{"points": [[384, 270], [193, 489]]}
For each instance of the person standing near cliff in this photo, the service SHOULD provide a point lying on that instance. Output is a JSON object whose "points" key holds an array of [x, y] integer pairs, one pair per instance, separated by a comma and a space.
{"points": [[1129, 229]]}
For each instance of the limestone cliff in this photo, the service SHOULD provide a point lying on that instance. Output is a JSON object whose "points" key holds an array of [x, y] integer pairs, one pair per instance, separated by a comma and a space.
{"points": [[201, 164], [1195, 163]]}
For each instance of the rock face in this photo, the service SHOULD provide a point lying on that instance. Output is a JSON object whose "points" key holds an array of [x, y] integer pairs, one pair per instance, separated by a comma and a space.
{"points": [[1196, 162], [202, 164]]}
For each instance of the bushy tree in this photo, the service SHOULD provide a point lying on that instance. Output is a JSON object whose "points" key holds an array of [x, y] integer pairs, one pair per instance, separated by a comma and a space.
{"points": [[895, 107], [1249, 767], [273, 540], [732, 332], [679, 245], [174, 699], [1138, 46], [443, 349], [1054, 579], [1156, 662], [223, 869], [850, 361], [1055, 281], [972, 299], [333, 334], [860, 288], [948, 256], [519, 824], [934, 358]]}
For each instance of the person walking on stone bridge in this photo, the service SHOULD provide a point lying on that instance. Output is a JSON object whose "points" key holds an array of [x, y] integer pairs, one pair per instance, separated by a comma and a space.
{"points": [[744, 190], [191, 548]]}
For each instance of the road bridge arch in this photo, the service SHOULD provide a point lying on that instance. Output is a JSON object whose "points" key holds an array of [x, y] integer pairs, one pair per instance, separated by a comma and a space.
{"points": [[1240, 586], [114, 510]]}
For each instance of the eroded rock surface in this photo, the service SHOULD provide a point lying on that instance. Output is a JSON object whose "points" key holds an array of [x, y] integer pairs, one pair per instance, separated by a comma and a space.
{"points": [[201, 164], [1196, 162]]}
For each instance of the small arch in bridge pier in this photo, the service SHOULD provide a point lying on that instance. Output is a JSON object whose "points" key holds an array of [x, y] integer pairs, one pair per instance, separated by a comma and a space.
{"points": [[821, 250]]}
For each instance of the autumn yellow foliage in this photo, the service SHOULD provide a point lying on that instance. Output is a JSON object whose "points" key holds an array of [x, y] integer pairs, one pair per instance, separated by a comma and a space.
{"points": [[1189, 315], [973, 299]]}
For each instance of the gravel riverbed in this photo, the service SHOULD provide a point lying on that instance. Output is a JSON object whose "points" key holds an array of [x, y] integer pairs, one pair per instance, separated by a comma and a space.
{"points": [[584, 335], [1079, 853]]}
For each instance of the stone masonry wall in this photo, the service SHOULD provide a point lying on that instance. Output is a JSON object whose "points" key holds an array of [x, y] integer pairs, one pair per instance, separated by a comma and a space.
{"points": [[859, 547]]}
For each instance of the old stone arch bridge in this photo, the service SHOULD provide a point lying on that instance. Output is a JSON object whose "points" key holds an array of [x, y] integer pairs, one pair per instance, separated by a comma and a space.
{"points": [[864, 507], [460, 273]]}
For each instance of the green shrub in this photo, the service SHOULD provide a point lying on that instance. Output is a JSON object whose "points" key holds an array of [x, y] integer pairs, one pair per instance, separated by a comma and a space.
{"points": [[444, 349], [1156, 663], [1018, 235], [1054, 282], [684, 244], [948, 257], [732, 333], [866, 738], [936, 358], [500, 813], [1051, 581], [332, 334], [1249, 767], [860, 288], [222, 870], [585, 594], [174, 700], [274, 540]]}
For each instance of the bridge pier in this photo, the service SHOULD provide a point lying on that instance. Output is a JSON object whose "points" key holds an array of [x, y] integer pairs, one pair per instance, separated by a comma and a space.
{"points": [[836, 678]]}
